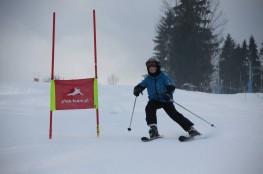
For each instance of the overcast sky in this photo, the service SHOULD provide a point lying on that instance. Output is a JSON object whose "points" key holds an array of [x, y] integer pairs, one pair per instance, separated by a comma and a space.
{"points": [[125, 30]]}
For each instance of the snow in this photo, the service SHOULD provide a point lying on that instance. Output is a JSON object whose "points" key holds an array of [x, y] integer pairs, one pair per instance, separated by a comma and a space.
{"points": [[234, 146]]}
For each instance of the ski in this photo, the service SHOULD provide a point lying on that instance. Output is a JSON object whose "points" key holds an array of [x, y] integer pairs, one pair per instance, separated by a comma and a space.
{"points": [[147, 139], [187, 138], [181, 138]]}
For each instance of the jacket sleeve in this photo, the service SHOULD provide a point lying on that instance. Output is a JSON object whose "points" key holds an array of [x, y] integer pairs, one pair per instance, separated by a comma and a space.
{"points": [[142, 85], [170, 84]]}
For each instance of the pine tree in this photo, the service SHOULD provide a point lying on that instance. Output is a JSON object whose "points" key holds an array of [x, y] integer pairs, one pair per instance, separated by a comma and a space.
{"points": [[237, 69], [254, 62], [261, 50], [261, 53], [244, 68], [226, 65], [186, 43], [261, 72], [163, 39]]}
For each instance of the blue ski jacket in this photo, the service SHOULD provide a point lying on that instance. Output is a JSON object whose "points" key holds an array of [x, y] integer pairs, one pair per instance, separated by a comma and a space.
{"points": [[157, 87]]}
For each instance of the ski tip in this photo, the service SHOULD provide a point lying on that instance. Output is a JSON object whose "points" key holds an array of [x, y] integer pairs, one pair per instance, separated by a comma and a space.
{"points": [[182, 138], [146, 139]]}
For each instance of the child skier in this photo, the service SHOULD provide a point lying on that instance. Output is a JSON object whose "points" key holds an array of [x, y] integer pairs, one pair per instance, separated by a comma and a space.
{"points": [[160, 93]]}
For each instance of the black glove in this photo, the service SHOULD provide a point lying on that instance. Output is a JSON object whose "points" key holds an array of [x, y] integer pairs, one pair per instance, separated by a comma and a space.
{"points": [[170, 88], [167, 97], [137, 90]]}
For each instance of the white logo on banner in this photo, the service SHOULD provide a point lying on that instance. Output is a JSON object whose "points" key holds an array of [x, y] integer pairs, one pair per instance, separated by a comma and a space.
{"points": [[75, 92]]}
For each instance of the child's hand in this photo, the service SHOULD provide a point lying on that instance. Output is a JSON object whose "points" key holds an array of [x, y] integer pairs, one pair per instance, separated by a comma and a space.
{"points": [[167, 96], [137, 90]]}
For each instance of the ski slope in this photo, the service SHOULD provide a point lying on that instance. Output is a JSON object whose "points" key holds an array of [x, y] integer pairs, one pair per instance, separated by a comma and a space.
{"points": [[233, 147]]}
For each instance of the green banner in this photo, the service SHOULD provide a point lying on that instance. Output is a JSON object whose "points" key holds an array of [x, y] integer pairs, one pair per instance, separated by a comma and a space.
{"points": [[52, 96], [96, 100]]}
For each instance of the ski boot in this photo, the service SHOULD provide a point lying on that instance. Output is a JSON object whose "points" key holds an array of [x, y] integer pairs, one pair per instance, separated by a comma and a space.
{"points": [[193, 132], [153, 132]]}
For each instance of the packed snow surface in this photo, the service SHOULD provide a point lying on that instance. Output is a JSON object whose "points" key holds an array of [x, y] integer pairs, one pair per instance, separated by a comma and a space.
{"points": [[234, 146]]}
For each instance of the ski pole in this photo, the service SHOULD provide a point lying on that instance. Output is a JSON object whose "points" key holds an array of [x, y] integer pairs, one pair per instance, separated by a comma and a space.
{"points": [[129, 128], [212, 125]]}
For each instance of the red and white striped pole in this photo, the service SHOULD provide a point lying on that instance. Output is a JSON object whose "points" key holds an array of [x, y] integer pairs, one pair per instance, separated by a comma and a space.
{"points": [[52, 70], [96, 70]]}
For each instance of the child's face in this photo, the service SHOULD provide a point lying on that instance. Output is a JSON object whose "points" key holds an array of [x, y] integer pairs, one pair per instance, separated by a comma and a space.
{"points": [[152, 69]]}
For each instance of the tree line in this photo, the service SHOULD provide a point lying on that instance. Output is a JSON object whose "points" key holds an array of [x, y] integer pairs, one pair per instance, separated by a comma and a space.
{"points": [[240, 67], [191, 48]]}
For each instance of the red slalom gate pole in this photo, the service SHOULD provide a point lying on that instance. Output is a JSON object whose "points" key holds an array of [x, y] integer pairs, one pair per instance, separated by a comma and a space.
{"points": [[50, 125], [53, 46], [52, 70], [95, 43], [96, 70]]}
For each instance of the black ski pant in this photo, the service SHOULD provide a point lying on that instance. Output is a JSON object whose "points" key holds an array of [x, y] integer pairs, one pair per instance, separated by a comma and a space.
{"points": [[169, 108]]}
